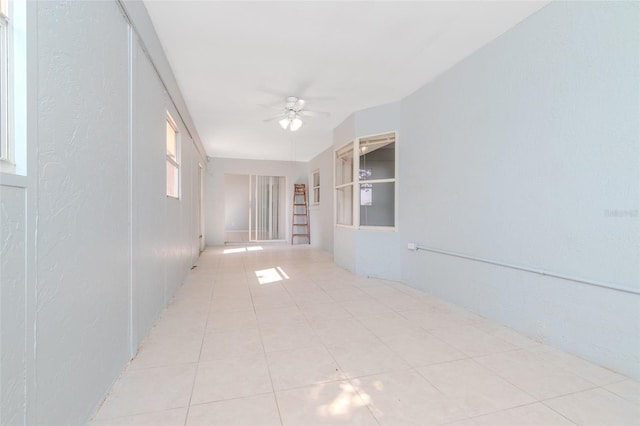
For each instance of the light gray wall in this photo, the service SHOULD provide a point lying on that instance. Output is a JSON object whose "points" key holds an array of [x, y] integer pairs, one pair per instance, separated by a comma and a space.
{"points": [[82, 267], [528, 153], [321, 215], [90, 262], [12, 303], [373, 253], [236, 202], [294, 172]]}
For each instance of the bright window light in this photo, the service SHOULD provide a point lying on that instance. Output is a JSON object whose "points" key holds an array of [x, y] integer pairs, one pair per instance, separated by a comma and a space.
{"points": [[267, 276], [254, 248], [284, 274], [235, 250]]}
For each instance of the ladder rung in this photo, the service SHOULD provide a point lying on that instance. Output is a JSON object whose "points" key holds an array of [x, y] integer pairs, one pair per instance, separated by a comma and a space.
{"points": [[300, 235], [299, 214]]}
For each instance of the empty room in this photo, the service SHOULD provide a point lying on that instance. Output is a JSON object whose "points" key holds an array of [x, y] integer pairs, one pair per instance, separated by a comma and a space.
{"points": [[306, 213]]}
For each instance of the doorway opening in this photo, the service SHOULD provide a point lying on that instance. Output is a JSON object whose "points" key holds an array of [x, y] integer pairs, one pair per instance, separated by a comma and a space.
{"points": [[255, 208]]}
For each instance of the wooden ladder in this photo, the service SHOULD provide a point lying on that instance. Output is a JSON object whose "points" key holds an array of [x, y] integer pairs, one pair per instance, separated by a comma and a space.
{"points": [[300, 219]]}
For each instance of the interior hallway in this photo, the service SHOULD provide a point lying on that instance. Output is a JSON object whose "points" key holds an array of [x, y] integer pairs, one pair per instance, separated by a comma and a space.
{"points": [[280, 335]]}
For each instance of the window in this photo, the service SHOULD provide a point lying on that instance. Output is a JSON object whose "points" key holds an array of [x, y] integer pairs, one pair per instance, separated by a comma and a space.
{"points": [[373, 179], [344, 185], [173, 160], [5, 149], [376, 175], [315, 185]]}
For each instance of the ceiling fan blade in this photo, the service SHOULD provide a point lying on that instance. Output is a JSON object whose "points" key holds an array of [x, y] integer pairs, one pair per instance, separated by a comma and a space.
{"points": [[274, 105], [275, 117], [306, 113]]}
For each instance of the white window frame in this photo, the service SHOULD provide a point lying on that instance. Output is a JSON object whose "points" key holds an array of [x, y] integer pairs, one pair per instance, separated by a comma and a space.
{"points": [[169, 120], [6, 148], [315, 200], [344, 185], [356, 182]]}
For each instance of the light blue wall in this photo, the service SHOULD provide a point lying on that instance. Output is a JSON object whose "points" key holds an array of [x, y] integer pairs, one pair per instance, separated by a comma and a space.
{"points": [[527, 152], [368, 252], [321, 215], [88, 262]]}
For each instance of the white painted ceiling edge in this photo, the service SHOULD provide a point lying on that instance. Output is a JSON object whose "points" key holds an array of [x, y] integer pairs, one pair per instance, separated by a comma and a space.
{"points": [[229, 58]]}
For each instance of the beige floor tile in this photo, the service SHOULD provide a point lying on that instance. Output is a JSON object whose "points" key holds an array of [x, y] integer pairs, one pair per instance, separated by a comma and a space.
{"points": [[227, 321], [465, 422], [627, 389], [288, 337], [529, 373], [585, 369], [527, 415], [389, 324], [359, 308], [174, 417], [232, 304], [399, 302], [335, 403], [318, 296], [421, 350], [232, 344], [273, 301], [138, 392], [360, 359], [167, 351], [314, 310], [473, 387], [472, 341], [302, 367], [259, 410], [348, 293], [341, 331], [432, 319], [406, 398], [280, 316], [506, 334], [596, 407], [231, 378]]}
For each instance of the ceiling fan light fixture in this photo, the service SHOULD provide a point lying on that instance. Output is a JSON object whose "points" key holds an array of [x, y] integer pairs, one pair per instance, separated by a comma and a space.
{"points": [[284, 123], [296, 123]]}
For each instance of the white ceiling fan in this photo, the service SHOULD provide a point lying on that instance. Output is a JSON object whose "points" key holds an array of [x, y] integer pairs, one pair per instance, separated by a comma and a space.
{"points": [[291, 115]]}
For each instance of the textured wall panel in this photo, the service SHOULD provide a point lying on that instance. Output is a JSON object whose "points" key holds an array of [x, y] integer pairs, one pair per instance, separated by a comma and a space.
{"points": [[149, 195], [82, 330], [528, 153], [12, 304]]}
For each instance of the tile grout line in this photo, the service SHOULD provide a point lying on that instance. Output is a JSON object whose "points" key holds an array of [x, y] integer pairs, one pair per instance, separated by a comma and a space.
{"points": [[337, 363], [204, 333], [264, 353]]}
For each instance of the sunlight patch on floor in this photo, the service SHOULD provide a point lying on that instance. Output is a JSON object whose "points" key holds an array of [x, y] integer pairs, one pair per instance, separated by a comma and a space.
{"points": [[242, 249], [271, 275], [344, 403]]}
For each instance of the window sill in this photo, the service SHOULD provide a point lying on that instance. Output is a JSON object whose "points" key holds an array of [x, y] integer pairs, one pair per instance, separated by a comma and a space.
{"points": [[345, 226], [378, 228], [12, 179]]}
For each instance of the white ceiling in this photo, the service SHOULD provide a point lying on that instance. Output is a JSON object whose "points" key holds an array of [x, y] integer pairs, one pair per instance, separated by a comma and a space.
{"points": [[229, 58]]}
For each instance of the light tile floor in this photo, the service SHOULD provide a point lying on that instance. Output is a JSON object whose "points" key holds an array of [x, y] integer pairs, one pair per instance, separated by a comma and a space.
{"points": [[282, 336]]}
